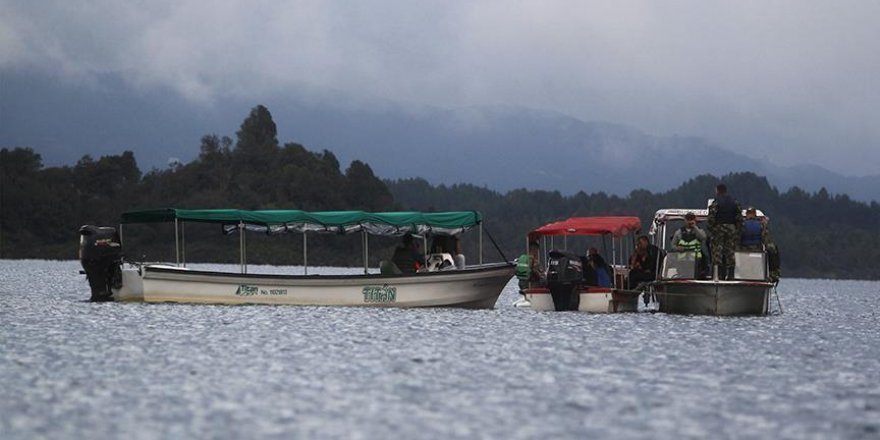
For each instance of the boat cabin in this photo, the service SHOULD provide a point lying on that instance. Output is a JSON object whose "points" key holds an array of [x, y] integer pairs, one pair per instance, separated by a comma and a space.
{"points": [[682, 265]]}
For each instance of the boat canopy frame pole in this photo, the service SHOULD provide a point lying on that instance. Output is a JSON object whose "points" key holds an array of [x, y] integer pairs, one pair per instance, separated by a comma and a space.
{"points": [[614, 251], [241, 232], [481, 242], [366, 251], [176, 243], [305, 254], [425, 246], [121, 244], [183, 242]]}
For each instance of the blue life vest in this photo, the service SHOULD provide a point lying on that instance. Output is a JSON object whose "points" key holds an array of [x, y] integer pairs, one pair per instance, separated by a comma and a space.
{"points": [[751, 235]]}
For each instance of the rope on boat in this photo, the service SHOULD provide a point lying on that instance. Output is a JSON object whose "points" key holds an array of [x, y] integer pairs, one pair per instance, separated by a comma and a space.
{"points": [[492, 239], [778, 302]]}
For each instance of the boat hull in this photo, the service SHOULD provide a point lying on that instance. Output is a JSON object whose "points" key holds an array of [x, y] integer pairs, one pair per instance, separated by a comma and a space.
{"points": [[720, 298], [592, 300], [476, 288]]}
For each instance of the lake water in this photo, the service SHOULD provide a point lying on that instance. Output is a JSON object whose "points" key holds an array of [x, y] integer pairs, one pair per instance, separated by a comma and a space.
{"points": [[74, 369]]}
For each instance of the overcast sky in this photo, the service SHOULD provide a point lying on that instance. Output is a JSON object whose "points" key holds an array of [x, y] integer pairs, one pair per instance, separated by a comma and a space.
{"points": [[795, 81]]}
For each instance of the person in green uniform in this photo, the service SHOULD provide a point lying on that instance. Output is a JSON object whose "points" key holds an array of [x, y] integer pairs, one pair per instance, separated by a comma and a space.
{"points": [[725, 223]]}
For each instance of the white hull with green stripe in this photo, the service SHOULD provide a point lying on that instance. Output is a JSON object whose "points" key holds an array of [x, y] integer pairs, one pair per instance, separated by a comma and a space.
{"points": [[443, 281], [476, 287]]}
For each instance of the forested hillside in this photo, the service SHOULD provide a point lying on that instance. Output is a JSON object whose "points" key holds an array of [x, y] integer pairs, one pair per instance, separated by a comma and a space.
{"points": [[819, 235], [41, 208]]}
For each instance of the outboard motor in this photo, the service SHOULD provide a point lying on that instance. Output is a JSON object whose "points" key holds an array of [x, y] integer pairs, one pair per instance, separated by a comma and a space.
{"points": [[565, 273], [100, 253]]}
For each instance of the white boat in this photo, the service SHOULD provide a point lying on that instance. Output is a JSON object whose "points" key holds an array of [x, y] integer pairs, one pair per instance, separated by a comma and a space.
{"points": [[565, 288], [477, 286], [680, 289]]}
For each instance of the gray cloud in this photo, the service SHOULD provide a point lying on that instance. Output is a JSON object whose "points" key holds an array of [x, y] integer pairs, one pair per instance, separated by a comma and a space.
{"points": [[793, 81]]}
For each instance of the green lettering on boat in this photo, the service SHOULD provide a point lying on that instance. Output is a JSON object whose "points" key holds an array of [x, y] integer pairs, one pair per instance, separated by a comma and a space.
{"points": [[380, 294]]}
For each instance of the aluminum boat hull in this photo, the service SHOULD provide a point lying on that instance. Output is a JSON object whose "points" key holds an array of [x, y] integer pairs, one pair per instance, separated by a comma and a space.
{"points": [[707, 297]]}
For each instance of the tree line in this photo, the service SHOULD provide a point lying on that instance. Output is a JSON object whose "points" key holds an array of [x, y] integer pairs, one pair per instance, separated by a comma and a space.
{"points": [[819, 234]]}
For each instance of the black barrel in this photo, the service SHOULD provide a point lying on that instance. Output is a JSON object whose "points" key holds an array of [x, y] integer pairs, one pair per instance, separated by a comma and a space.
{"points": [[100, 253], [565, 274]]}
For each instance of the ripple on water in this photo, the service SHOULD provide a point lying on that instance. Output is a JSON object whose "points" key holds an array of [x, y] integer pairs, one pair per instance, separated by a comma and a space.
{"points": [[70, 368]]}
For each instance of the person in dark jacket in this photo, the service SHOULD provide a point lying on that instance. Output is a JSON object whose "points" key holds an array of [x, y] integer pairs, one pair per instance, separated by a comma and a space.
{"points": [[725, 221], [407, 257], [643, 263]]}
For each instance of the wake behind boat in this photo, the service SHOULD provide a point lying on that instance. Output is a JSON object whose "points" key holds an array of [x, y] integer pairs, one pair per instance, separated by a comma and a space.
{"points": [[440, 284]]}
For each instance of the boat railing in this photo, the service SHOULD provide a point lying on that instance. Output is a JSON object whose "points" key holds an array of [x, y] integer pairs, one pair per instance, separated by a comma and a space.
{"points": [[749, 266]]}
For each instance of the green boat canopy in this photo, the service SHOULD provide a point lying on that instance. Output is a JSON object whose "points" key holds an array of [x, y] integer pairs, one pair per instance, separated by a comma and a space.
{"points": [[339, 222]]}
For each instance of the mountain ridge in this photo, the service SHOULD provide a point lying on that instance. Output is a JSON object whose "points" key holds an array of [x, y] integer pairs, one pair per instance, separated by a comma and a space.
{"points": [[500, 147]]}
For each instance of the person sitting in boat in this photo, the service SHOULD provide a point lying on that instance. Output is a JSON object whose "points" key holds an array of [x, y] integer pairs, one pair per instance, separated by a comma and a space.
{"points": [[754, 232], [690, 238], [596, 271], [643, 263], [755, 237], [528, 268], [407, 257]]}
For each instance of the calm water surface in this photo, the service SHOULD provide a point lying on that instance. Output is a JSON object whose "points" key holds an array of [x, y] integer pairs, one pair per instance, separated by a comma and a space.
{"points": [[73, 369]]}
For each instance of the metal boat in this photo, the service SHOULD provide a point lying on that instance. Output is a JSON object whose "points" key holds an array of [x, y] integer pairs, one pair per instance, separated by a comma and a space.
{"points": [[681, 288]]}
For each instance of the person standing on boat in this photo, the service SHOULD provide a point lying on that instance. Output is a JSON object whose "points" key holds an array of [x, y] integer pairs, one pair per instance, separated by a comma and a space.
{"points": [[725, 221], [690, 238], [407, 257], [528, 267]]}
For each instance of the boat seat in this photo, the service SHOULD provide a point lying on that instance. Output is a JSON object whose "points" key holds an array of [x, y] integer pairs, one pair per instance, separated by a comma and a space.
{"points": [[439, 261]]}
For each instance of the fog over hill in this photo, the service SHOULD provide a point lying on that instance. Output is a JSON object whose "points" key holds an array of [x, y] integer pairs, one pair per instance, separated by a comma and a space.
{"points": [[499, 147]]}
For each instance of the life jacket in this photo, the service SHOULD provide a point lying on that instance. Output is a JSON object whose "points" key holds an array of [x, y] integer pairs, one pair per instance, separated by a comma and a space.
{"points": [[689, 242], [751, 234], [524, 267], [725, 212]]}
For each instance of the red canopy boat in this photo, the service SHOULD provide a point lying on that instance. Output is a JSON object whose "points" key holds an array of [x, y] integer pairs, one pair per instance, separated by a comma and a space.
{"points": [[565, 288]]}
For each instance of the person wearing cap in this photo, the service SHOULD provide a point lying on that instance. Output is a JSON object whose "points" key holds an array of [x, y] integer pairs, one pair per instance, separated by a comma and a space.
{"points": [[754, 232], [725, 221], [690, 238], [756, 238]]}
